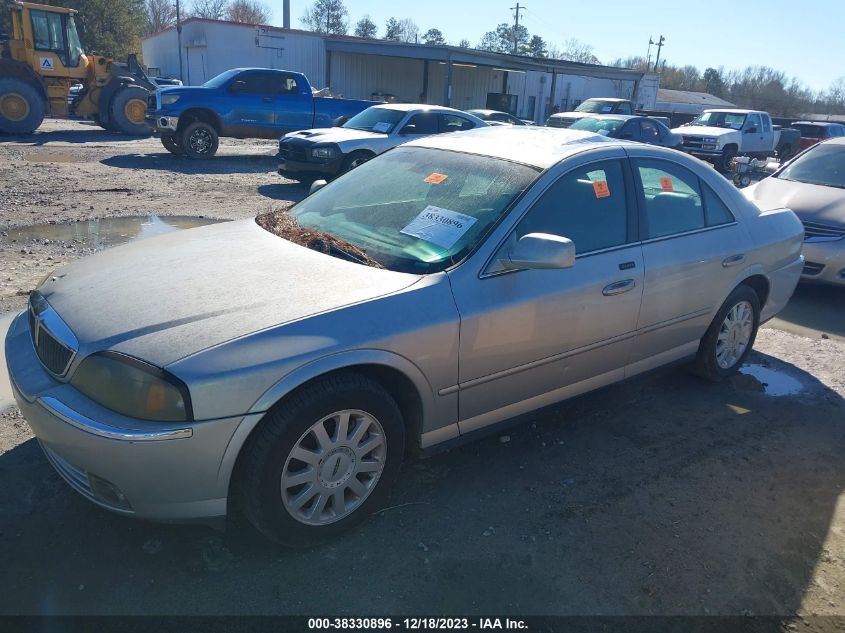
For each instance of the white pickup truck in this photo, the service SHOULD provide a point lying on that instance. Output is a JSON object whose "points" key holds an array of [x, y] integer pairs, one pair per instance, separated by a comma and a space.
{"points": [[719, 135]]}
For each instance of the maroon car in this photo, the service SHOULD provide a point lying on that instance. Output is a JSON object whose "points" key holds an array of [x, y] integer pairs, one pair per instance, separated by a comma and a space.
{"points": [[813, 132]]}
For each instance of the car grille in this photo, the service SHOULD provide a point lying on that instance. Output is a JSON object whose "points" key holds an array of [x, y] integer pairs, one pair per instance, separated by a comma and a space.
{"points": [[812, 269], [815, 229], [53, 353], [693, 142], [292, 151]]}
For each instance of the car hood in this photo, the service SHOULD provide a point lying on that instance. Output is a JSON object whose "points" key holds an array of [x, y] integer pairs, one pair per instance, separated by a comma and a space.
{"points": [[335, 135], [813, 203], [168, 297], [703, 130]]}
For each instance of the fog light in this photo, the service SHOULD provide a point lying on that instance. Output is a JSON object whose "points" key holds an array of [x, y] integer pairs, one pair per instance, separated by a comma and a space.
{"points": [[107, 492]]}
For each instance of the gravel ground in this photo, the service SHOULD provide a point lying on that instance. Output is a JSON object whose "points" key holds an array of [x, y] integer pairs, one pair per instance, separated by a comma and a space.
{"points": [[661, 495]]}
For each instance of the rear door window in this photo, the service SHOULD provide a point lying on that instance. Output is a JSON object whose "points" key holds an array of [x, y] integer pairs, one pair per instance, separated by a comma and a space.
{"points": [[672, 198], [424, 123], [624, 108], [454, 123]]}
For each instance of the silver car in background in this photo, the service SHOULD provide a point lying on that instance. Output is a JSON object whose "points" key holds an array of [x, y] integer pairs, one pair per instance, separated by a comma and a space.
{"points": [[449, 285], [813, 185]]}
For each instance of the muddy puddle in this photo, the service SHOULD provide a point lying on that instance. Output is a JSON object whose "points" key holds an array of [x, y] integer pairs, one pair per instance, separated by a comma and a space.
{"points": [[106, 232], [774, 383]]}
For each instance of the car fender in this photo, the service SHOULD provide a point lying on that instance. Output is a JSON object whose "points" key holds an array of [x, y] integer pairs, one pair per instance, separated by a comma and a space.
{"points": [[307, 372]]}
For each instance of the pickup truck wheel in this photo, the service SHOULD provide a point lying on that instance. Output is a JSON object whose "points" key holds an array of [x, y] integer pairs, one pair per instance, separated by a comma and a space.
{"points": [[322, 460], [731, 335], [199, 140], [21, 107], [354, 160], [785, 152], [171, 144], [724, 162]]}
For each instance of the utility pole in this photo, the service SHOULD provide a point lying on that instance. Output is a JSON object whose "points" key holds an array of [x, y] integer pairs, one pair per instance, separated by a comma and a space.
{"points": [[516, 11], [660, 44], [648, 55], [179, 40]]}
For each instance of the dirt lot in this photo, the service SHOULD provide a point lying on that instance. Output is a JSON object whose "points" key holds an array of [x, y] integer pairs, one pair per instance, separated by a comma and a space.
{"points": [[662, 495]]}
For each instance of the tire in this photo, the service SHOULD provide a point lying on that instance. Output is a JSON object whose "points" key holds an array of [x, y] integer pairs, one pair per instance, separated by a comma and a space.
{"points": [[718, 359], [128, 110], [354, 160], [199, 140], [171, 144], [785, 152], [22, 107], [723, 163], [297, 504]]}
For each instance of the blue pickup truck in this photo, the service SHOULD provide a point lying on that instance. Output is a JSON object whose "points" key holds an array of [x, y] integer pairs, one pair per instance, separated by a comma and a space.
{"points": [[242, 103]]}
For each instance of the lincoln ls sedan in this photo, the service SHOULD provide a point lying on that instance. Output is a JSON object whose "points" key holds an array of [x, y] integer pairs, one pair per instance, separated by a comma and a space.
{"points": [[285, 366]]}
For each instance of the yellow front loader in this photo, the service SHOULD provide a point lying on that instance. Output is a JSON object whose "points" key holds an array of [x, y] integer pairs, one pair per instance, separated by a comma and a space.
{"points": [[42, 58]]}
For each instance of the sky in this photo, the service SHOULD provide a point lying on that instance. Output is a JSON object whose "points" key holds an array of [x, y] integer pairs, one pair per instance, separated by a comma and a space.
{"points": [[804, 39]]}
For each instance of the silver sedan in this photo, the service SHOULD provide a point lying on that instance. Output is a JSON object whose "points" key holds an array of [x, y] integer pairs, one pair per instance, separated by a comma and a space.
{"points": [[421, 299], [813, 185]]}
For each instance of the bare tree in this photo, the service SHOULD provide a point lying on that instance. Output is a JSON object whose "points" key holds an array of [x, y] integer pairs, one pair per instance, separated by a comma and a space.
{"points": [[464, 43], [209, 9], [327, 16], [577, 51], [366, 27], [404, 30], [248, 12], [160, 15]]}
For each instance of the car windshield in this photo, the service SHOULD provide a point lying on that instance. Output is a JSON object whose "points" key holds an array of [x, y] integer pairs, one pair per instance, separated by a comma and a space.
{"points": [[381, 120], [222, 78], [415, 209], [596, 107], [601, 126], [820, 165], [732, 120]]}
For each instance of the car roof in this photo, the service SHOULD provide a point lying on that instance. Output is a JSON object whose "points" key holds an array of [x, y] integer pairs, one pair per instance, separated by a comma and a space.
{"points": [[614, 99], [836, 140], [413, 107], [615, 117], [824, 123], [531, 145], [736, 110], [485, 111]]}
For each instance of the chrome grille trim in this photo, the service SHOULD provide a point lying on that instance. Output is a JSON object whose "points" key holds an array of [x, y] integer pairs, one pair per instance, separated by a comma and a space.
{"points": [[818, 230], [54, 343]]}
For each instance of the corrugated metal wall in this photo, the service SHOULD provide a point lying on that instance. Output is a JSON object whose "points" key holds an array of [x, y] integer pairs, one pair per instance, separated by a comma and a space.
{"points": [[363, 76]]}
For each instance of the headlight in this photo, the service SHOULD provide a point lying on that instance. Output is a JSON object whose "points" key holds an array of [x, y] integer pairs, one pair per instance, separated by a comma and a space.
{"points": [[133, 388], [711, 140], [169, 99], [322, 152]]}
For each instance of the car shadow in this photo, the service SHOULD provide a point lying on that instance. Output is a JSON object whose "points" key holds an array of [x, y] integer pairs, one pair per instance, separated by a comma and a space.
{"points": [[663, 494], [91, 133], [164, 161], [817, 307], [288, 191]]}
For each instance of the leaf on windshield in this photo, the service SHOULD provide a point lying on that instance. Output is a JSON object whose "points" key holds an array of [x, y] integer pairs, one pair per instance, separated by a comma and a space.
{"points": [[284, 225]]}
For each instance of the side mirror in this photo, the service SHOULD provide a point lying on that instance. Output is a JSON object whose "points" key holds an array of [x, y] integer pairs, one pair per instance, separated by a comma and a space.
{"points": [[540, 250], [751, 130], [316, 186], [408, 129], [237, 87]]}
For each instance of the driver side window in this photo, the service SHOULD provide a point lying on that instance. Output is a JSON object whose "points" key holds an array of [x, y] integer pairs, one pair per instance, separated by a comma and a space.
{"points": [[586, 205]]}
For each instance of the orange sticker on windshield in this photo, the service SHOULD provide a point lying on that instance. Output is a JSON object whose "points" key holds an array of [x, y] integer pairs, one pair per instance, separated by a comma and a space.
{"points": [[435, 178], [666, 183], [601, 189]]}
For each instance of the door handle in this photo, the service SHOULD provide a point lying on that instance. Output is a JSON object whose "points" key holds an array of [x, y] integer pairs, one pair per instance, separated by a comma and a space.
{"points": [[733, 260], [618, 287]]}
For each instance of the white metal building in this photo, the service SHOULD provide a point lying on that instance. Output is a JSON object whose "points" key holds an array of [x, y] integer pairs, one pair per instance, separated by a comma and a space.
{"points": [[362, 68]]}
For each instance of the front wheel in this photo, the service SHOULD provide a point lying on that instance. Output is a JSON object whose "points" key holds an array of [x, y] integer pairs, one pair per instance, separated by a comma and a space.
{"points": [[354, 160], [171, 144], [731, 335], [128, 110], [724, 161], [322, 460], [199, 140]]}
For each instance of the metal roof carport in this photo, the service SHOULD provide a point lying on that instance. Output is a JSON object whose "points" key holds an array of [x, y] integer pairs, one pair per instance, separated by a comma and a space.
{"points": [[462, 77]]}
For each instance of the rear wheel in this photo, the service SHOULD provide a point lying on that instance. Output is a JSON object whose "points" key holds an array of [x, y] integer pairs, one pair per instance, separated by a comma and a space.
{"points": [[199, 140], [321, 461], [731, 335], [128, 110], [171, 144], [21, 107]]}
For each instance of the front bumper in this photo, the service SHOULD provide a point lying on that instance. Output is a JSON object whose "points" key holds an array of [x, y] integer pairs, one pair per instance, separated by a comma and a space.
{"points": [[162, 123], [703, 153], [301, 170], [825, 262], [159, 471]]}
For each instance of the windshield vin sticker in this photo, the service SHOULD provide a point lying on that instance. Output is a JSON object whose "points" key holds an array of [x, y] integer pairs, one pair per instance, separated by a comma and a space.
{"points": [[439, 226], [382, 126], [435, 178]]}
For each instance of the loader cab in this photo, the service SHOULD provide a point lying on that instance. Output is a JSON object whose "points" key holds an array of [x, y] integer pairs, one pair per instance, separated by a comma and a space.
{"points": [[56, 33]]}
